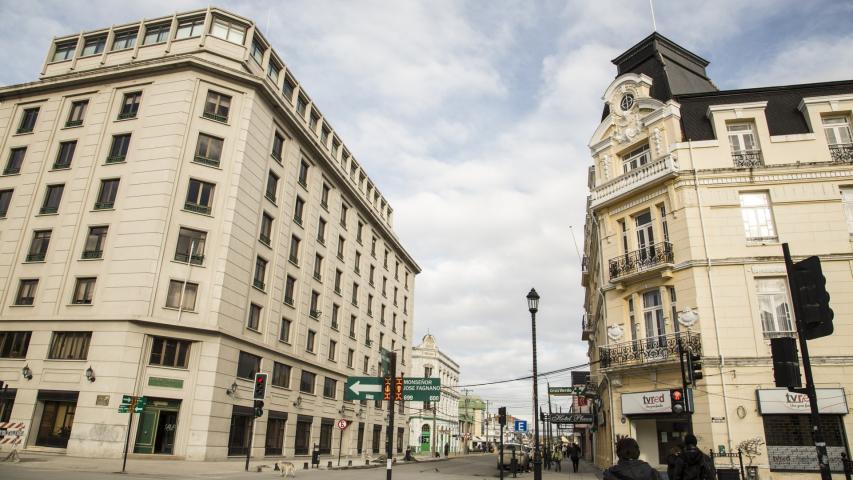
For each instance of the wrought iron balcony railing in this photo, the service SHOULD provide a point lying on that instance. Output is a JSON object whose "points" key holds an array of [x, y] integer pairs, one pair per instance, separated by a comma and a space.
{"points": [[649, 350], [841, 152], [747, 159], [586, 327], [640, 260]]}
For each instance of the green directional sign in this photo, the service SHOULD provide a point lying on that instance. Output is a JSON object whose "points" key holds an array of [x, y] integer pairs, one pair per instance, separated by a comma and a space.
{"points": [[140, 405], [122, 409], [560, 391], [363, 388], [126, 399], [421, 389]]}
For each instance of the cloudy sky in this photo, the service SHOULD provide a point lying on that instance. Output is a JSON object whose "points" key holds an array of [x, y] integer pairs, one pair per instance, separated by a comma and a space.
{"points": [[473, 119]]}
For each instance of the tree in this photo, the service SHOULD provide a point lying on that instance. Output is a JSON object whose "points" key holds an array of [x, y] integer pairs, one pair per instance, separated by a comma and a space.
{"points": [[751, 448]]}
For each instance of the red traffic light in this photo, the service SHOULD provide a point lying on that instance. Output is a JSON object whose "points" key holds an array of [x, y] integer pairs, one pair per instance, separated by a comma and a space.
{"points": [[676, 395]]}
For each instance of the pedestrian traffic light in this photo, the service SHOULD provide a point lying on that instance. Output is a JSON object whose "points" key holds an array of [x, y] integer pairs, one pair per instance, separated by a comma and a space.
{"points": [[814, 316], [694, 367], [259, 408], [260, 386], [502, 415], [676, 397]]}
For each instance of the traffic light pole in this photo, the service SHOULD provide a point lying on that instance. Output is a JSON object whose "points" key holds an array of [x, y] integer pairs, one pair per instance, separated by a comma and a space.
{"points": [[389, 431], [687, 400], [817, 433]]}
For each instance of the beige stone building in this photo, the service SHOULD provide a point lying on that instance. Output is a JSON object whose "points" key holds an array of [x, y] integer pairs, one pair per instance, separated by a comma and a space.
{"points": [[177, 214], [434, 425], [692, 192]]}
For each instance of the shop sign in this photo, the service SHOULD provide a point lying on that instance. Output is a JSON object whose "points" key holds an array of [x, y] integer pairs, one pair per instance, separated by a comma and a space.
{"points": [[829, 401], [657, 401], [165, 382]]}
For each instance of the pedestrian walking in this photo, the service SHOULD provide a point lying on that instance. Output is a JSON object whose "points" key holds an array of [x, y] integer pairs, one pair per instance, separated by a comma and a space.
{"points": [[672, 461], [446, 450], [693, 464], [558, 457], [629, 466], [574, 452], [547, 459]]}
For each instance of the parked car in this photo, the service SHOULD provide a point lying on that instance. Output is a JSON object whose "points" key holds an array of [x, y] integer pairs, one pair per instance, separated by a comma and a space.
{"points": [[522, 455]]}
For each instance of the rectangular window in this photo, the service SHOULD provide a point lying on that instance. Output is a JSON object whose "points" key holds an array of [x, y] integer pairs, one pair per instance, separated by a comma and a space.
{"points": [[298, 210], [837, 131], [289, 290], [303, 173], [333, 350], [314, 309], [260, 273], [228, 30], [254, 321], [406, 283], [405, 329], [14, 344], [757, 216], [344, 210], [307, 381], [373, 246], [248, 365], [199, 197], [357, 263], [28, 120], [370, 304], [38, 246], [169, 352], [118, 149], [663, 222], [277, 146], [773, 307], [26, 292], [352, 326], [318, 267], [274, 440], [847, 202], [294, 249], [330, 387], [350, 357], [273, 70], [310, 340], [302, 442], [355, 294], [341, 246], [358, 231], [93, 45], [284, 331], [324, 196], [83, 291], [52, 197], [281, 375], [338, 277], [65, 155], [384, 286], [241, 426], [636, 159], [190, 247], [321, 231], [217, 106], [257, 52], [266, 229], [324, 135], [301, 106], [382, 316], [64, 51], [673, 308], [365, 364], [69, 346], [107, 194], [182, 295], [208, 150], [372, 274], [189, 28], [367, 340], [16, 159], [745, 150], [272, 186], [314, 119], [124, 40], [287, 89], [335, 313], [130, 105], [156, 33], [94, 245]]}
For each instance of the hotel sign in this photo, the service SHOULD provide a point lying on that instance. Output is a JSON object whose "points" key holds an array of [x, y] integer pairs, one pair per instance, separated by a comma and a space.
{"points": [[656, 401], [776, 401]]}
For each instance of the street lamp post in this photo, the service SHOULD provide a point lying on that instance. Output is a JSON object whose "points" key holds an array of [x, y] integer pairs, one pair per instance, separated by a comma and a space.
{"points": [[533, 306]]}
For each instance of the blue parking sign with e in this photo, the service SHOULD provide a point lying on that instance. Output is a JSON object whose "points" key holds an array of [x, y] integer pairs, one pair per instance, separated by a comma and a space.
{"points": [[521, 426]]}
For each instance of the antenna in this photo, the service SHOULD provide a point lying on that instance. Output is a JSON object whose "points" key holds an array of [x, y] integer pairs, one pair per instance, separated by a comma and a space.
{"points": [[652, 7], [577, 250]]}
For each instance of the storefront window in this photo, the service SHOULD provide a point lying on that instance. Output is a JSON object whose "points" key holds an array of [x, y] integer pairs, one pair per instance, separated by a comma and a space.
{"points": [[275, 433], [326, 436], [790, 445], [241, 425], [303, 435]]}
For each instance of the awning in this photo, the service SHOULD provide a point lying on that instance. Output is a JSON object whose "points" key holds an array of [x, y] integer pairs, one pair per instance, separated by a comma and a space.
{"points": [[564, 439], [479, 439]]}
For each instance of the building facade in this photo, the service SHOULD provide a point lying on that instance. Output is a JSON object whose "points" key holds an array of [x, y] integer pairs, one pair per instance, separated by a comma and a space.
{"points": [[472, 426], [693, 190], [177, 215], [435, 425]]}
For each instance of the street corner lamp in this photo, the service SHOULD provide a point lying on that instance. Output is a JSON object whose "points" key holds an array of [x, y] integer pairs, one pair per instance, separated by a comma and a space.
{"points": [[533, 306], [232, 389], [26, 372], [533, 301], [298, 401], [90, 374]]}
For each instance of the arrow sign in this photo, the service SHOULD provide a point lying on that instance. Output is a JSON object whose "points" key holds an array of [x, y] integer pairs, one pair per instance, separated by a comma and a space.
{"points": [[363, 388]]}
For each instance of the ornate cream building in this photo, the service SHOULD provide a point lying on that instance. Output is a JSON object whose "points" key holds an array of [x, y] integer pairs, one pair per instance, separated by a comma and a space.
{"points": [[177, 214], [692, 192], [432, 425]]}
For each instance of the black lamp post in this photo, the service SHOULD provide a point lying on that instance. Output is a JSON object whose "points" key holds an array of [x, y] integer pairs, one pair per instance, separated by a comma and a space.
{"points": [[533, 306]]}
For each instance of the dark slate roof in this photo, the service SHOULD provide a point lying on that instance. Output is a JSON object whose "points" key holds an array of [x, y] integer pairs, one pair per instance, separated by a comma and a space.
{"points": [[783, 115]]}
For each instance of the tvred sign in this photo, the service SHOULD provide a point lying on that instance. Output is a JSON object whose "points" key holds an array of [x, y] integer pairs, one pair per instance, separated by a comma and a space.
{"points": [[657, 401]]}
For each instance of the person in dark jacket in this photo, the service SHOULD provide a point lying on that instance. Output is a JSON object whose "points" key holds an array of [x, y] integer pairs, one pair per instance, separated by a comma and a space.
{"points": [[693, 464], [629, 466], [574, 452], [671, 461], [446, 450]]}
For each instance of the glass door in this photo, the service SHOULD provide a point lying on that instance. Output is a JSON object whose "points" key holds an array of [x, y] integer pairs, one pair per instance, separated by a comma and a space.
{"points": [[645, 238], [55, 426], [654, 321]]}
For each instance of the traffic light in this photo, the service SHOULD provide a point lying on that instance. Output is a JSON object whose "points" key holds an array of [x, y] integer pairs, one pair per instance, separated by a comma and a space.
{"points": [[260, 386], [786, 362], [694, 367], [386, 390], [502, 415], [809, 287], [676, 397], [259, 408]]}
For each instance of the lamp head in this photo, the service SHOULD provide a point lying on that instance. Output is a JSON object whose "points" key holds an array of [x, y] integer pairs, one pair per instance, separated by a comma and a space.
{"points": [[90, 374], [533, 301], [26, 372]]}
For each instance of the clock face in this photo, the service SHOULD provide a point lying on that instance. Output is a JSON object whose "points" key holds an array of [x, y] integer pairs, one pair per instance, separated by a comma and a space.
{"points": [[627, 102]]}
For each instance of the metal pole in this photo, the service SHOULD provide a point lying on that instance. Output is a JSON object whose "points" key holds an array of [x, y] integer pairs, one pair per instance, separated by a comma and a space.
{"points": [[433, 430], [537, 458], [340, 446], [251, 441], [550, 425], [817, 433], [501, 457], [127, 437], [688, 403], [389, 432]]}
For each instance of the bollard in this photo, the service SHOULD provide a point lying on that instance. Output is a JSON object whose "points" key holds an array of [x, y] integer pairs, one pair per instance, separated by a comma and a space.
{"points": [[305, 466], [349, 463], [329, 465], [514, 463]]}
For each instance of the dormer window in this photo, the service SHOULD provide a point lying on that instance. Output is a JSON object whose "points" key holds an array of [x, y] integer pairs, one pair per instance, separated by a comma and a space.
{"points": [[839, 138], [227, 30], [745, 150], [636, 159]]}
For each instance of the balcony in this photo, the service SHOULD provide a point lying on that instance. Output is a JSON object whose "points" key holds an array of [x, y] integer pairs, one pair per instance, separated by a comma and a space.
{"points": [[211, 162], [587, 328], [214, 117], [35, 257], [116, 159], [585, 271], [748, 159], [645, 260], [841, 152], [259, 284], [126, 115], [194, 207], [315, 313], [92, 254], [661, 349], [645, 176]]}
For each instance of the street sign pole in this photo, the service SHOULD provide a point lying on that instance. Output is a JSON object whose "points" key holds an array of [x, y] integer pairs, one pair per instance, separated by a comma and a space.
{"points": [[501, 463], [340, 446], [127, 440], [389, 433]]}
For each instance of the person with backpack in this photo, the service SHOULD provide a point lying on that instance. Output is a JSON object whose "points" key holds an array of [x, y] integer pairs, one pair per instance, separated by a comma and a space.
{"points": [[693, 464], [672, 461], [629, 466]]}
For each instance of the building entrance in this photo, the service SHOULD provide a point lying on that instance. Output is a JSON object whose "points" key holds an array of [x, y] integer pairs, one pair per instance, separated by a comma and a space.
{"points": [[57, 418], [425, 437], [158, 422]]}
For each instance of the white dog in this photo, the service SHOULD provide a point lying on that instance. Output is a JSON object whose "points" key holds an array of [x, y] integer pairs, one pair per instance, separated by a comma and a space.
{"points": [[287, 469]]}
